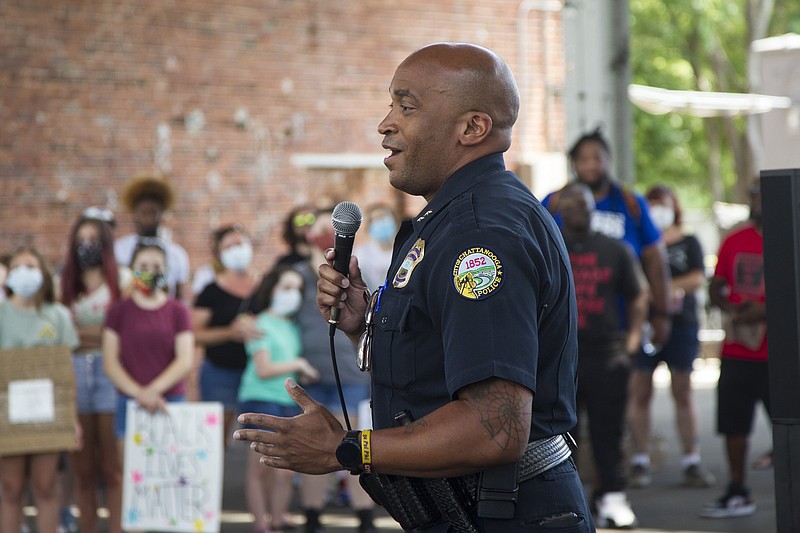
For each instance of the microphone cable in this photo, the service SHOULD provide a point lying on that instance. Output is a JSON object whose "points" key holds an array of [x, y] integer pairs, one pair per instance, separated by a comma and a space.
{"points": [[331, 334]]}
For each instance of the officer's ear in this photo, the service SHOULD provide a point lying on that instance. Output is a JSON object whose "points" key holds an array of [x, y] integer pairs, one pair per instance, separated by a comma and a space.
{"points": [[477, 126]]}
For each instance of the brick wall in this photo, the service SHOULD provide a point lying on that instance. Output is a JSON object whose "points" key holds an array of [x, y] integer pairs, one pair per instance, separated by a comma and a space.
{"points": [[217, 96]]}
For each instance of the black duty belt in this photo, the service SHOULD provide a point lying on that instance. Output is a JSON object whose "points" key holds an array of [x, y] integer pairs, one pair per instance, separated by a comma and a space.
{"points": [[421, 503], [542, 455]]}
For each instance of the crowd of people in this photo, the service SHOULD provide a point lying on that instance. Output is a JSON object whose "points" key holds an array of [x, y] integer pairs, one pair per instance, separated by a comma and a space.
{"points": [[135, 323]]}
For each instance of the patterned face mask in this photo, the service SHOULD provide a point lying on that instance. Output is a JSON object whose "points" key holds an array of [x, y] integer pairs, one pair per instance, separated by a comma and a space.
{"points": [[90, 254], [148, 282]]}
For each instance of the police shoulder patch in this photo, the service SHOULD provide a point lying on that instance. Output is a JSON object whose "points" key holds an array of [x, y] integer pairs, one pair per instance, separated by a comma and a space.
{"points": [[477, 273]]}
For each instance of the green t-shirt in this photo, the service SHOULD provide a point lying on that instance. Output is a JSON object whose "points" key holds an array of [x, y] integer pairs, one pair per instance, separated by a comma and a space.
{"points": [[49, 325], [282, 340]]}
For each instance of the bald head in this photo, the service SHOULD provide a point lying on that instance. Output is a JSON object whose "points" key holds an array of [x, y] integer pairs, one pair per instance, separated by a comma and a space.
{"points": [[474, 79]]}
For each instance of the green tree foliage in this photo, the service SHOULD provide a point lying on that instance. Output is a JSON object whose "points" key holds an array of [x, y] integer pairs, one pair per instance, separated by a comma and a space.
{"points": [[698, 45]]}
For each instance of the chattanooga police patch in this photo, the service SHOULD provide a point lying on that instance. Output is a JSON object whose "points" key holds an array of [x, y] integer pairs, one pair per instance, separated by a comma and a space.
{"points": [[477, 273]]}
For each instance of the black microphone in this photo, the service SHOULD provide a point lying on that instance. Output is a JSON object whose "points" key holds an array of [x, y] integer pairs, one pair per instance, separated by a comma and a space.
{"points": [[345, 219]]}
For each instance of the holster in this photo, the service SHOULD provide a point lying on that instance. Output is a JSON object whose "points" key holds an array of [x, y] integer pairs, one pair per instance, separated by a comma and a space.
{"points": [[421, 503]]}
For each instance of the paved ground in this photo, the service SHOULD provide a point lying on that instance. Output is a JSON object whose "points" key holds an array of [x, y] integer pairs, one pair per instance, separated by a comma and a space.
{"points": [[662, 507]]}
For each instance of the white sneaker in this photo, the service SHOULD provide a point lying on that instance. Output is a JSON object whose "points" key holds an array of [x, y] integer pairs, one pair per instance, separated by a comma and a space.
{"points": [[614, 511], [730, 505]]}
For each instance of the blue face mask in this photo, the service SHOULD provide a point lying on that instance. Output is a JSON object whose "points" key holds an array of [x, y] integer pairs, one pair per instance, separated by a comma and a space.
{"points": [[383, 229]]}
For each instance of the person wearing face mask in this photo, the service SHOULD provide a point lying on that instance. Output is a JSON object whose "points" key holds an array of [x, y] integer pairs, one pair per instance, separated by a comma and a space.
{"points": [[148, 344], [688, 275], [90, 282], [148, 198], [223, 319], [31, 317], [272, 357], [355, 384], [376, 255]]}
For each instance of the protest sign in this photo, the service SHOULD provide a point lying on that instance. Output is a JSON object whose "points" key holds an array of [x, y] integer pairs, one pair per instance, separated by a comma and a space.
{"points": [[173, 468], [37, 400]]}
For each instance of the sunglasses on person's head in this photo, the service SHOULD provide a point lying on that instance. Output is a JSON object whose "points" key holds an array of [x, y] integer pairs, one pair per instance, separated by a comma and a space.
{"points": [[303, 219], [95, 212]]}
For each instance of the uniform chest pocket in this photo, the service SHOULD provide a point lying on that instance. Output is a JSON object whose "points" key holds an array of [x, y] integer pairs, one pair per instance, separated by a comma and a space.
{"points": [[393, 345]]}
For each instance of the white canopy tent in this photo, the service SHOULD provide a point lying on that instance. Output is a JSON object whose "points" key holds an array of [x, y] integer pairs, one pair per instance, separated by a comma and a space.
{"points": [[658, 101]]}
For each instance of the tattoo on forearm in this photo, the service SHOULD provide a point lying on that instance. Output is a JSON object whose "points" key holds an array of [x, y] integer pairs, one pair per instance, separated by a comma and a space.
{"points": [[504, 413]]}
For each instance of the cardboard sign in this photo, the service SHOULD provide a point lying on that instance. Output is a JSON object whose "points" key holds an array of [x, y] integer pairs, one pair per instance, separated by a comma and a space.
{"points": [[172, 479], [37, 400]]}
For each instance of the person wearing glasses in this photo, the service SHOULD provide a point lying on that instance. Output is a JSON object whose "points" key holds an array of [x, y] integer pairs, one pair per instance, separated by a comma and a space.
{"points": [[148, 198], [355, 384], [474, 349], [295, 228]]}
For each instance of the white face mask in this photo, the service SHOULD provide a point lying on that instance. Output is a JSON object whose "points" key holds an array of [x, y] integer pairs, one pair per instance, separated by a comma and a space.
{"points": [[663, 217], [286, 303], [24, 281], [237, 257]]}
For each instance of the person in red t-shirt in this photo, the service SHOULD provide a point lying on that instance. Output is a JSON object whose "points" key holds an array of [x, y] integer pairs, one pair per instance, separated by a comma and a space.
{"points": [[737, 288]]}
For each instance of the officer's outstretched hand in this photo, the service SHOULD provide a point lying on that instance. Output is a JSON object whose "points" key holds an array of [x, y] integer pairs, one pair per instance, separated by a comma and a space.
{"points": [[333, 289], [305, 443]]}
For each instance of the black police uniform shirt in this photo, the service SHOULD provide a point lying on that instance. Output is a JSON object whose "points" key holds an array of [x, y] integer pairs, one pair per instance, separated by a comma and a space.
{"points": [[479, 287]]}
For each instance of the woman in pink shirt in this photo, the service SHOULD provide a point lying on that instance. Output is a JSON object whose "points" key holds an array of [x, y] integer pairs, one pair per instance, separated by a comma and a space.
{"points": [[148, 345]]}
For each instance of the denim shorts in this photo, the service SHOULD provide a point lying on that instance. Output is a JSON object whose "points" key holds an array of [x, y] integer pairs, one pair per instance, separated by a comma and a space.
{"points": [[219, 384], [267, 408], [679, 353], [122, 411], [328, 395], [94, 391]]}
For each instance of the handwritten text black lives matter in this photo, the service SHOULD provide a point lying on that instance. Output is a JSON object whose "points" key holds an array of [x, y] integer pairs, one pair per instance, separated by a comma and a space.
{"points": [[171, 474]]}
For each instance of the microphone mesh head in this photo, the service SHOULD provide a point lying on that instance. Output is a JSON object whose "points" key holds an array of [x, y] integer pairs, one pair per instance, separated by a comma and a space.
{"points": [[346, 218]]}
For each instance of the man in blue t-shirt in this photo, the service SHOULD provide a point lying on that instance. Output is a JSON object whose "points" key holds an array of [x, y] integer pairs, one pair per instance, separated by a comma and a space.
{"points": [[623, 214]]}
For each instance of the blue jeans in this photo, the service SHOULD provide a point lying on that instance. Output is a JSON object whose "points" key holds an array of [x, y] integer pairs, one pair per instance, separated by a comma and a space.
{"points": [[94, 391], [218, 384]]}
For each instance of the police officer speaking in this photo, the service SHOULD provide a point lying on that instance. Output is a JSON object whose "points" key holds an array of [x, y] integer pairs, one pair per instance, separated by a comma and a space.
{"points": [[471, 341]]}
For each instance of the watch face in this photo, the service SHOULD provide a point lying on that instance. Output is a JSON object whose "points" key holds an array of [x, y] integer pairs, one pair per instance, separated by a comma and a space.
{"points": [[348, 453]]}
